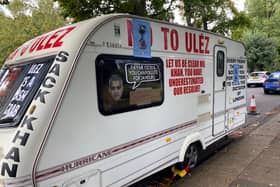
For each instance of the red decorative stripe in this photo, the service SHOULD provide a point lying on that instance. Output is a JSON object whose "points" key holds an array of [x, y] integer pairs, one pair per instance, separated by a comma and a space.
{"points": [[90, 159]]}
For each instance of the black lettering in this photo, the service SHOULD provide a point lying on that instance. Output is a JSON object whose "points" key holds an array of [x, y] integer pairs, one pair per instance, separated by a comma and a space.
{"points": [[23, 138], [62, 56], [55, 69], [13, 154], [238, 88], [49, 85], [41, 94], [28, 122], [6, 169]]}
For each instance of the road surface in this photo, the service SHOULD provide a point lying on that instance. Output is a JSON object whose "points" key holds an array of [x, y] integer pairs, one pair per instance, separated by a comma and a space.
{"points": [[265, 103], [266, 107]]}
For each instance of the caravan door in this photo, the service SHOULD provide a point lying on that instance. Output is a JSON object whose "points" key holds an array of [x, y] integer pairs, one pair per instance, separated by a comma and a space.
{"points": [[219, 91]]}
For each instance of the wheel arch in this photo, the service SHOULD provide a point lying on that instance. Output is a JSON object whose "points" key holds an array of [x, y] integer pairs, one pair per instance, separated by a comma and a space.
{"points": [[190, 139]]}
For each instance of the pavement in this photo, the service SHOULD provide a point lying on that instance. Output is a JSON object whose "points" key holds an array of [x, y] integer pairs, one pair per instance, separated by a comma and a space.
{"points": [[252, 159]]}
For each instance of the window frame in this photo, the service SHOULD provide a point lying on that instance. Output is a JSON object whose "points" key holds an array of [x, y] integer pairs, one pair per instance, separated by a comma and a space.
{"points": [[100, 80]]}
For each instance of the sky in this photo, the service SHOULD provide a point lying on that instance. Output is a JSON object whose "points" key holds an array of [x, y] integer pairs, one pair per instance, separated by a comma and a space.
{"points": [[239, 4], [7, 13]]}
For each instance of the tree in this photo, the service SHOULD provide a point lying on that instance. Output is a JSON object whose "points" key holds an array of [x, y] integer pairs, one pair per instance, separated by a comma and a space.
{"points": [[262, 13], [238, 25], [85, 9], [261, 51], [265, 16], [4, 2], [260, 9], [212, 15], [26, 23]]}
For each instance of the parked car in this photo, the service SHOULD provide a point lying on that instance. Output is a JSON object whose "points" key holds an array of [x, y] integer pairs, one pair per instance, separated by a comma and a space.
{"points": [[257, 78], [272, 83]]}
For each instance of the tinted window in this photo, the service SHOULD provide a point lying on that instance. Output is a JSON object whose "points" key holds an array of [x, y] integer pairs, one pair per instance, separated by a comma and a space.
{"points": [[256, 74], [260, 74], [275, 75], [18, 86], [220, 63], [128, 83]]}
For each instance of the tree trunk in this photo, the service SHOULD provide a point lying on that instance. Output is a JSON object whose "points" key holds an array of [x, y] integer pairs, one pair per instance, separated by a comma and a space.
{"points": [[139, 7]]}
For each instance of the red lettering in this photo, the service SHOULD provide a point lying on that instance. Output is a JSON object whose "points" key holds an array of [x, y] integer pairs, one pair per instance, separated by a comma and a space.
{"points": [[206, 38], [201, 38], [34, 45], [40, 45], [23, 50], [184, 63], [202, 63], [177, 72], [191, 89], [169, 63], [178, 91], [188, 72], [174, 43], [188, 41], [197, 72], [13, 54], [194, 43], [129, 32], [165, 31], [58, 42], [49, 44], [177, 63]]}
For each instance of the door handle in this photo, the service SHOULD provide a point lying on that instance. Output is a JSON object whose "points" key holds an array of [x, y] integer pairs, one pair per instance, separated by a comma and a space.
{"points": [[224, 84]]}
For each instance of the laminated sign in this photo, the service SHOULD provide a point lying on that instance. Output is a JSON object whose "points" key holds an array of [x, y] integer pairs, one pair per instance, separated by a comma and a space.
{"points": [[141, 38]]}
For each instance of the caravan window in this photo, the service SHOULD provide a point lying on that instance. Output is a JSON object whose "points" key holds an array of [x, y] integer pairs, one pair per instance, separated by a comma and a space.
{"points": [[220, 63], [18, 85], [128, 83]]}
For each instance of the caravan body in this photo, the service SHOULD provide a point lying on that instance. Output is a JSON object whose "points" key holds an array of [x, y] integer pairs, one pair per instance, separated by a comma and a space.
{"points": [[66, 120]]}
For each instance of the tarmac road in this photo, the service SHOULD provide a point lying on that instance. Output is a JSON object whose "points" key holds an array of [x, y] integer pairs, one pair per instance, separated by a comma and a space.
{"points": [[252, 159], [265, 103], [249, 158]]}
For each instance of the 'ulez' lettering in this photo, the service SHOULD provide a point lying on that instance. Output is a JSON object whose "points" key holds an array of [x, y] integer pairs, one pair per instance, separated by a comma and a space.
{"points": [[194, 42], [50, 40]]}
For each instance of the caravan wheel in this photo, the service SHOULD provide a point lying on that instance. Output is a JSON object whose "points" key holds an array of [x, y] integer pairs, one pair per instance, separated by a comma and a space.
{"points": [[192, 155]]}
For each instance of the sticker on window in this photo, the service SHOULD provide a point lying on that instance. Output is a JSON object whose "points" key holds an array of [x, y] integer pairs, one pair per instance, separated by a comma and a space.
{"points": [[139, 73]]}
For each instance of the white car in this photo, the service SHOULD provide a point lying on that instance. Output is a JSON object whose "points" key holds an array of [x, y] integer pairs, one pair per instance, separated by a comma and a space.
{"points": [[257, 78]]}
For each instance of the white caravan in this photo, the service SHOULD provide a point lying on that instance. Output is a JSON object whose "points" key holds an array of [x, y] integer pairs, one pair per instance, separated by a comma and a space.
{"points": [[114, 99]]}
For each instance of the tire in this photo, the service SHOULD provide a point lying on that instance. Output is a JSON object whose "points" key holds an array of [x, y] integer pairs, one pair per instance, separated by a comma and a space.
{"points": [[192, 157], [265, 91]]}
